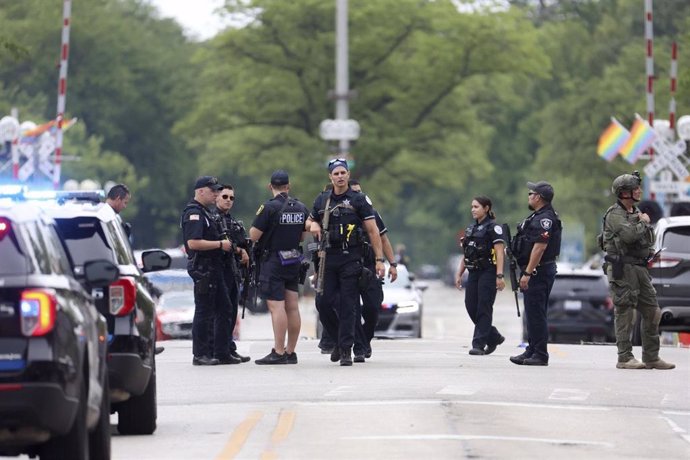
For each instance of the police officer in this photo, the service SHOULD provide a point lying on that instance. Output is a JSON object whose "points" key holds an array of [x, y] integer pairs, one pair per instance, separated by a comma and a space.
{"points": [[371, 292], [483, 250], [349, 216], [278, 229], [234, 231], [205, 249], [536, 246], [628, 238]]}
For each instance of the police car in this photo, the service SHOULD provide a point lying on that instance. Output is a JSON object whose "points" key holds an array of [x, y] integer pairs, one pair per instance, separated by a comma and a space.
{"points": [[402, 308], [54, 397]]}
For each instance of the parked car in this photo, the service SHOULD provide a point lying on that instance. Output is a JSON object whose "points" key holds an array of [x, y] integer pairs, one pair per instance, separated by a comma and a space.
{"points": [[671, 272], [580, 308], [54, 396], [452, 269], [402, 307], [90, 230]]}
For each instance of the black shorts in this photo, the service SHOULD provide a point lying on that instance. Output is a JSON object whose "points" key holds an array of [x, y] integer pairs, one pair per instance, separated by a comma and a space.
{"points": [[275, 278]]}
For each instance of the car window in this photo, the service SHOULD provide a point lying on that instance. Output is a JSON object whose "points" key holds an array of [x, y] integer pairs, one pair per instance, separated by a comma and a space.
{"points": [[177, 301], [120, 244], [580, 283], [403, 280], [85, 239], [677, 239], [14, 261], [36, 248], [58, 258]]}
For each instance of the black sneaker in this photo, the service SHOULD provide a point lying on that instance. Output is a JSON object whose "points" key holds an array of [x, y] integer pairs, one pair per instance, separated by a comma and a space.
{"points": [[519, 359], [327, 351], [229, 360], [335, 355], [492, 347], [533, 361], [345, 358], [243, 359], [273, 358], [291, 357], [368, 353], [359, 358], [204, 361], [477, 352]]}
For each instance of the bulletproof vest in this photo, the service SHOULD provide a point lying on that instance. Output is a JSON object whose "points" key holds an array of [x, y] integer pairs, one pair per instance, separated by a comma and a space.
{"points": [[344, 225], [210, 233], [524, 240], [477, 245], [286, 228]]}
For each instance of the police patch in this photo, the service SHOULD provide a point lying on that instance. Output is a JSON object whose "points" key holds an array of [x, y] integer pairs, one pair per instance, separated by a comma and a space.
{"points": [[498, 230], [368, 200], [194, 217], [545, 223], [291, 218], [261, 208]]}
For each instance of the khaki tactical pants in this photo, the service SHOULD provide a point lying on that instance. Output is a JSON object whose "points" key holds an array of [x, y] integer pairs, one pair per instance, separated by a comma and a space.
{"points": [[635, 292]]}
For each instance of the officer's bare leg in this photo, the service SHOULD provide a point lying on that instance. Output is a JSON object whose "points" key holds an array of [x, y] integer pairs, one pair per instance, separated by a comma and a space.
{"points": [[280, 322], [294, 321]]}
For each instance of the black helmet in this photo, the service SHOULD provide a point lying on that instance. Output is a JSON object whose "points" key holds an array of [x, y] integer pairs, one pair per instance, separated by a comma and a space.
{"points": [[627, 182]]}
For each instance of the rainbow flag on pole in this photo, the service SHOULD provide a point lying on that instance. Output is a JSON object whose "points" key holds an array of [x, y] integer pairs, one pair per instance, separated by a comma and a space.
{"points": [[641, 138], [611, 140]]}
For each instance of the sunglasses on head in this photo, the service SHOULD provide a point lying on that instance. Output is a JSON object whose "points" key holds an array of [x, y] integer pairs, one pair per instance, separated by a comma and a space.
{"points": [[228, 197], [337, 160]]}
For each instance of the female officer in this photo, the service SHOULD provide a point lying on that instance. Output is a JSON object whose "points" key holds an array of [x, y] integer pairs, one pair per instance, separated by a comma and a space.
{"points": [[483, 257]]}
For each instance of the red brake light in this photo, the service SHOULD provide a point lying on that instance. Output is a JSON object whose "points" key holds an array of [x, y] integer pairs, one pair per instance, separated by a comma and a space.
{"points": [[664, 262], [608, 304], [37, 310], [4, 227], [123, 293]]}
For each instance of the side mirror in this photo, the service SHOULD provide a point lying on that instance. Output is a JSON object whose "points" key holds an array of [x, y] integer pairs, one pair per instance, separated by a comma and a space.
{"points": [[100, 273], [155, 260]]}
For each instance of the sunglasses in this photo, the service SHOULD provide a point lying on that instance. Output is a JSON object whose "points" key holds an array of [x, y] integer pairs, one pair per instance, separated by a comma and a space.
{"points": [[337, 160], [532, 193], [228, 197]]}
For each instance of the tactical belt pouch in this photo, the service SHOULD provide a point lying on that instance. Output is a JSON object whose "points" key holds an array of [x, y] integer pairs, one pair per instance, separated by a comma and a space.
{"points": [[290, 257], [616, 266], [366, 277]]}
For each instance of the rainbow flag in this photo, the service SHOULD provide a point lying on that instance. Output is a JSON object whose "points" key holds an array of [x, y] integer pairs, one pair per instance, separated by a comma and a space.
{"points": [[611, 140], [641, 137]]}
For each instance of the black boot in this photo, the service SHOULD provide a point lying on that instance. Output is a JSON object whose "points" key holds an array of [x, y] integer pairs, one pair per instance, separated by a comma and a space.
{"points": [[346, 357]]}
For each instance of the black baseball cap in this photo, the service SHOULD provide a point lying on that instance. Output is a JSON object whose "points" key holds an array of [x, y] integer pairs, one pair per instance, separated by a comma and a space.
{"points": [[280, 177], [543, 188], [207, 181]]}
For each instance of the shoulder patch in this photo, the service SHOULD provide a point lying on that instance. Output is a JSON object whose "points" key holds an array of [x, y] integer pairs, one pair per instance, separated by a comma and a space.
{"points": [[194, 217], [546, 223], [368, 200], [498, 230], [261, 208]]}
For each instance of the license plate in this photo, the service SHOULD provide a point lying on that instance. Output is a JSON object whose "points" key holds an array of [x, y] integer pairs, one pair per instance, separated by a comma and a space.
{"points": [[573, 305]]}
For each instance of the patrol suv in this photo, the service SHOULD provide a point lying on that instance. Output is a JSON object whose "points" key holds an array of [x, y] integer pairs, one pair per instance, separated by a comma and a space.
{"points": [[91, 229], [54, 397]]}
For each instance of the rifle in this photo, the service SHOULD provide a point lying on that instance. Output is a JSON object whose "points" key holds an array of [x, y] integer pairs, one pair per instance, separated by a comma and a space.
{"points": [[513, 266], [250, 279], [323, 246]]}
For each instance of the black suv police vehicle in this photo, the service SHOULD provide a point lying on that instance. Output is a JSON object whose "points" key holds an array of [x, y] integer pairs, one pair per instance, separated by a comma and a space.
{"points": [[91, 229], [54, 397]]}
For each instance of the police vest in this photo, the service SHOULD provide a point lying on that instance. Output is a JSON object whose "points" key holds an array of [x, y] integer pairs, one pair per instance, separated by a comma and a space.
{"points": [[477, 246]]}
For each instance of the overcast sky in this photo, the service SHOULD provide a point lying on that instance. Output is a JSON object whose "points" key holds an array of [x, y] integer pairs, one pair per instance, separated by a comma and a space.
{"points": [[196, 16]]}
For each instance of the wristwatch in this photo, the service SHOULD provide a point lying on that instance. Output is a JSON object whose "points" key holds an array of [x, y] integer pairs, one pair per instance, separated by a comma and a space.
{"points": [[394, 264], [499, 276], [524, 273]]}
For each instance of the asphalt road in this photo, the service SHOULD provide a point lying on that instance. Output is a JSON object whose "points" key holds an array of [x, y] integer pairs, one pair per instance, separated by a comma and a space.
{"points": [[417, 398]]}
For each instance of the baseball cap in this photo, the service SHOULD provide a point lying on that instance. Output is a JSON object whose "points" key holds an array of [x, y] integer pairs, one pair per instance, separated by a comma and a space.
{"points": [[207, 181], [280, 177], [543, 188], [334, 163]]}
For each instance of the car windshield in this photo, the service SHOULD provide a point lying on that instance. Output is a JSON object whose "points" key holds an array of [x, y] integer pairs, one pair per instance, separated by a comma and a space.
{"points": [[403, 280], [177, 301], [677, 239], [585, 283], [14, 261], [85, 240]]}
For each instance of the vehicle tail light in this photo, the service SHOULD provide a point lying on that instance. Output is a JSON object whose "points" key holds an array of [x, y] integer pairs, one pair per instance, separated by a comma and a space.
{"points": [[123, 293], [664, 262], [37, 310], [608, 303], [4, 227]]}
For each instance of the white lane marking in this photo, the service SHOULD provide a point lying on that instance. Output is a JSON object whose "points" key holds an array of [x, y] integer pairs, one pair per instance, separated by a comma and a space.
{"points": [[442, 401], [457, 437], [339, 391], [456, 390], [440, 328], [566, 394], [674, 426], [675, 412]]}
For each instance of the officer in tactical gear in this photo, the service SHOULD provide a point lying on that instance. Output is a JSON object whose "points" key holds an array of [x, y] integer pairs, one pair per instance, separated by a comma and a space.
{"points": [[205, 249], [483, 255], [628, 239], [536, 246], [348, 215], [232, 230], [278, 230]]}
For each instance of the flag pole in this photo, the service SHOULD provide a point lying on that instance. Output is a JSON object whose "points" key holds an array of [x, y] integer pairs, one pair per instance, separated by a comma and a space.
{"points": [[62, 89]]}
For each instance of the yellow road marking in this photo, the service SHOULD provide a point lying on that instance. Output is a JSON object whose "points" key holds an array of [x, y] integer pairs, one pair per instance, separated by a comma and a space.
{"points": [[284, 426], [557, 351], [239, 436]]}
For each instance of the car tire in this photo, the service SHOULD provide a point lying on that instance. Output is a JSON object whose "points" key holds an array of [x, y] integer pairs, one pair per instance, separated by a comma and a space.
{"points": [[99, 439], [419, 329], [75, 443], [138, 414]]}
